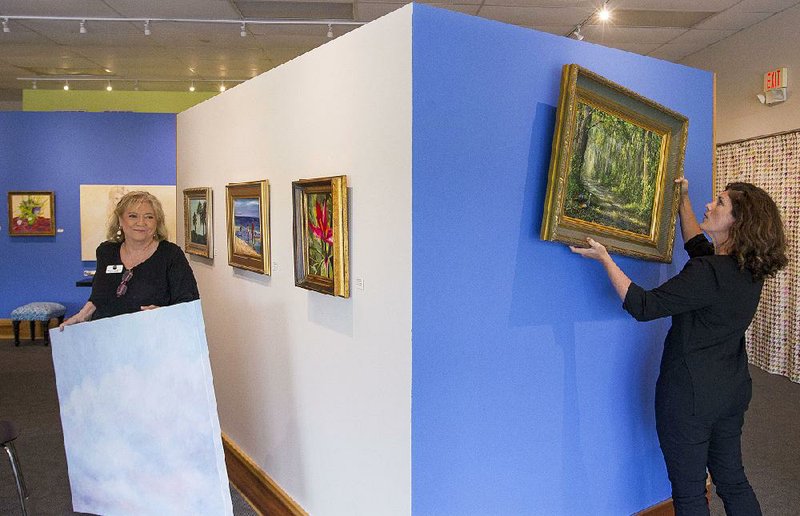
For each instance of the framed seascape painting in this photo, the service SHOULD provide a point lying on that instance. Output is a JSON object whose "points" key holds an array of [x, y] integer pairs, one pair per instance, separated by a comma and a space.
{"points": [[248, 225], [198, 221], [321, 257], [615, 157], [31, 214]]}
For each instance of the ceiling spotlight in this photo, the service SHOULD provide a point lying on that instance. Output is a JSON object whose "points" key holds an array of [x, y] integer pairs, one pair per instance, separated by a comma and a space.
{"points": [[66, 85], [147, 27], [108, 86], [604, 14], [33, 85], [330, 30], [576, 33], [136, 85], [222, 86], [191, 88], [83, 26], [6, 28], [243, 32]]}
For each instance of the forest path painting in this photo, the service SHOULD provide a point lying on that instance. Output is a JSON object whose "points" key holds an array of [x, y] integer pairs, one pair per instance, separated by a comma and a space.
{"points": [[613, 172]]}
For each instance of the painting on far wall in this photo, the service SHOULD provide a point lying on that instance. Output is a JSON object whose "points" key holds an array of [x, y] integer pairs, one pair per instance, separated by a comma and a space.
{"points": [[31, 214], [321, 256], [198, 221], [615, 157], [248, 226], [97, 206]]}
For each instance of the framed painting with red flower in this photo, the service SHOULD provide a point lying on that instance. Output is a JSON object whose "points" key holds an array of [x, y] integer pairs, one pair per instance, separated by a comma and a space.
{"points": [[31, 214], [321, 259], [248, 225]]}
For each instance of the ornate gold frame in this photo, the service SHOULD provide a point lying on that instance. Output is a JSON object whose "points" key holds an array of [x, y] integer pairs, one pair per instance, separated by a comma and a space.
{"points": [[202, 194], [336, 186], [580, 84], [253, 189]]}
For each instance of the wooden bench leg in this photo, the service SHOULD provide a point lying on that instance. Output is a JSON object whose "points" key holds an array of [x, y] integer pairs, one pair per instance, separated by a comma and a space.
{"points": [[46, 330], [15, 324]]}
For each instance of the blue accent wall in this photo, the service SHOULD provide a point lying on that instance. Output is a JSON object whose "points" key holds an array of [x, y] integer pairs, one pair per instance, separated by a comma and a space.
{"points": [[532, 389], [59, 152]]}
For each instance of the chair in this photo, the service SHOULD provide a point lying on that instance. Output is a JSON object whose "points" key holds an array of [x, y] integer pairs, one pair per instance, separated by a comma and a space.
{"points": [[33, 312], [8, 433]]}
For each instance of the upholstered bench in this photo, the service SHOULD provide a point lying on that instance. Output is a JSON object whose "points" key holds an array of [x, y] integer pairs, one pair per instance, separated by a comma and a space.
{"points": [[33, 312]]}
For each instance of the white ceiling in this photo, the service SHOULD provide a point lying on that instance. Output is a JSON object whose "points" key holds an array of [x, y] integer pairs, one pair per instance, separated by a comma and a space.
{"points": [[206, 52]]}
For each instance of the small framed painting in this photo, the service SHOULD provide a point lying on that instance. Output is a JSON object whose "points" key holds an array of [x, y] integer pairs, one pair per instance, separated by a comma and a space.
{"points": [[31, 214], [321, 258], [248, 226], [615, 157], [198, 221]]}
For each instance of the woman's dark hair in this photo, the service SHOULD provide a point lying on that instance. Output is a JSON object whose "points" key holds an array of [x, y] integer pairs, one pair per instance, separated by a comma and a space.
{"points": [[757, 239]]}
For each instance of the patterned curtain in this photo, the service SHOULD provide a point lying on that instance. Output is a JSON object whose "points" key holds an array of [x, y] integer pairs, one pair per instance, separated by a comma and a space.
{"points": [[773, 163]]}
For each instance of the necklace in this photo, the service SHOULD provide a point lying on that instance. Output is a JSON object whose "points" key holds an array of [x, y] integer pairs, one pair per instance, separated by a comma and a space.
{"points": [[135, 257]]}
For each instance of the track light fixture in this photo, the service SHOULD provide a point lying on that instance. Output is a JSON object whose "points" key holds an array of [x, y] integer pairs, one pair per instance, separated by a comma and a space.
{"points": [[33, 85], [108, 86], [222, 86], [330, 30], [66, 85], [243, 31], [192, 88], [602, 14], [6, 28], [147, 27], [83, 27]]}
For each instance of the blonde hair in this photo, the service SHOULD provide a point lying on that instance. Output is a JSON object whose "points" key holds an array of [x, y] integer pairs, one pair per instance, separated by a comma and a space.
{"points": [[114, 232]]}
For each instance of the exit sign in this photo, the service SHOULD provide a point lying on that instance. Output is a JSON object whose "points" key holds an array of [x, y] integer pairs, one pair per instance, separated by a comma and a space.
{"points": [[775, 79]]}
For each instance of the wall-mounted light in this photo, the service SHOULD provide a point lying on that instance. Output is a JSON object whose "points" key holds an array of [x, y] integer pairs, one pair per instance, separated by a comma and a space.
{"points": [[771, 97], [83, 27]]}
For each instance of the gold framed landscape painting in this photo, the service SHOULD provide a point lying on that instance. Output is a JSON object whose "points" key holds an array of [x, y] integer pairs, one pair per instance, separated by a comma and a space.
{"points": [[198, 221], [321, 233], [31, 214], [615, 157], [248, 226]]}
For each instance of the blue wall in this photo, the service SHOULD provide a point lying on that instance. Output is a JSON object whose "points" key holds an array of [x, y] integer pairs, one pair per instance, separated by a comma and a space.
{"points": [[59, 152], [532, 390]]}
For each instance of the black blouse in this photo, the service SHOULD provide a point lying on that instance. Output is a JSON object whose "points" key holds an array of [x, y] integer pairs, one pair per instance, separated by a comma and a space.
{"points": [[712, 302], [163, 279]]}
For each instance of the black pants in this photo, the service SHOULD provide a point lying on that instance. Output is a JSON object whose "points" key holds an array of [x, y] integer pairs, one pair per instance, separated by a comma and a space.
{"points": [[691, 443]]}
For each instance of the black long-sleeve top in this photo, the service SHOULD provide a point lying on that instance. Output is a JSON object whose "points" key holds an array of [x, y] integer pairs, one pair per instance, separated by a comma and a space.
{"points": [[712, 302], [163, 279]]}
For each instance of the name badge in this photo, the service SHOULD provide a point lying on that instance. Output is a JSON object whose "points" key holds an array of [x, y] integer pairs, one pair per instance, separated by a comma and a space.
{"points": [[113, 269]]}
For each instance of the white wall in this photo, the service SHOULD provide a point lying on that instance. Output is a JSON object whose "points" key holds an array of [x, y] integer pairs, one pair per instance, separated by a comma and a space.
{"points": [[316, 389], [740, 63]]}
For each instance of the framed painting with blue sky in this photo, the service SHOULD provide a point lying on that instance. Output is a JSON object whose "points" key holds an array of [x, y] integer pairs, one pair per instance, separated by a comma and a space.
{"points": [[248, 225]]}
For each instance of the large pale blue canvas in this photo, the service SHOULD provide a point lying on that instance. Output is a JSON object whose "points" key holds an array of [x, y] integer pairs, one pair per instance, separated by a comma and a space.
{"points": [[139, 414]]}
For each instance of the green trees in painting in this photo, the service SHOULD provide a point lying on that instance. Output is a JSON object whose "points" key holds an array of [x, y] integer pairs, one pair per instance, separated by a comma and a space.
{"points": [[613, 171]]}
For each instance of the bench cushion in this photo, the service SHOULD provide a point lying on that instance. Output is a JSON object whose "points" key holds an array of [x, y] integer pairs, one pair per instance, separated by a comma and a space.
{"points": [[42, 311]]}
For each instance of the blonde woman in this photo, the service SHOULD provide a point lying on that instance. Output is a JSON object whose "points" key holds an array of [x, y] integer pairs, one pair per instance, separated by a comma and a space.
{"points": [[137, 268]]}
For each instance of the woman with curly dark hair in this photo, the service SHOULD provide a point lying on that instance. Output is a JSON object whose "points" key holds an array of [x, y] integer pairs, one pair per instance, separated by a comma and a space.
{"points": [[704, 387]]}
